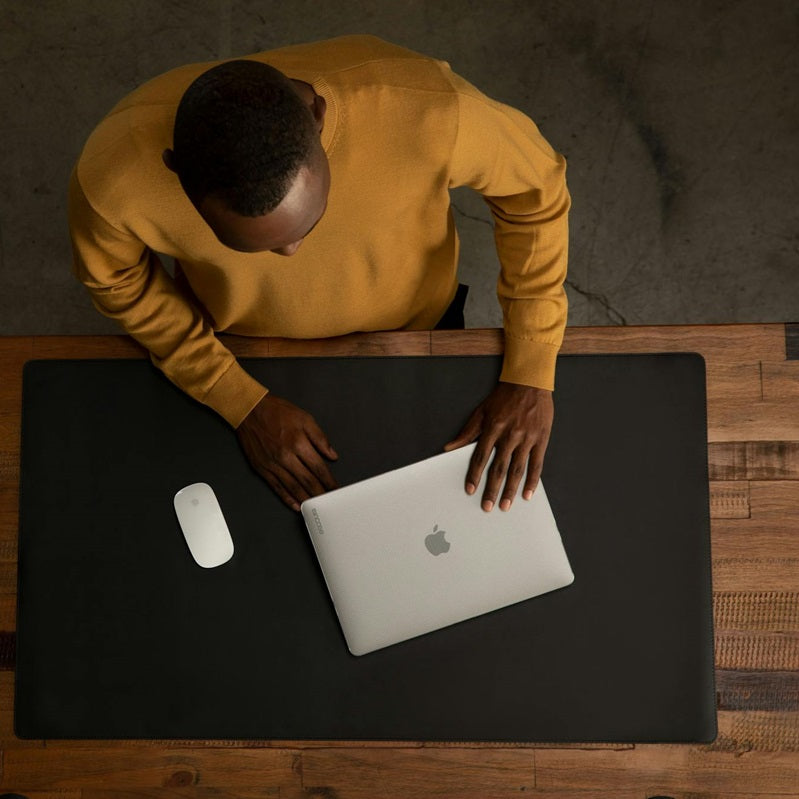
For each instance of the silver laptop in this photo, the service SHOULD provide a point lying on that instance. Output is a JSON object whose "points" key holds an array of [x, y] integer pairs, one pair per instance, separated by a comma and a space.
{"points": [[409, 551]]}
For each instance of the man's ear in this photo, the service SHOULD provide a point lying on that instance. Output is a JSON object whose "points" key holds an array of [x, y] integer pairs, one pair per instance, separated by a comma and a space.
{"points": [[168, 157], [318, 109]]}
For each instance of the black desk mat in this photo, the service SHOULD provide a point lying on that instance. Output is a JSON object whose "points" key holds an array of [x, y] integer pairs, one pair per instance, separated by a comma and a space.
{"points": [[121, 635]]}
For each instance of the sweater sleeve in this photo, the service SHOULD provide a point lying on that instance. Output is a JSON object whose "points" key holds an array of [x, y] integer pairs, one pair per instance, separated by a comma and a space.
{"points": [[500, 153], [128, 283]]}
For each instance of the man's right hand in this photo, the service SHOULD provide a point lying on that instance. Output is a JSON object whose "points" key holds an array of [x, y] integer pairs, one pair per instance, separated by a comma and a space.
{"points": [[285, 446]]}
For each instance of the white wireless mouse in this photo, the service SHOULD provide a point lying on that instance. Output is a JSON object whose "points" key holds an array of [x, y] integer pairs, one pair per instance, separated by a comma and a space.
{"points": [[204, 527]]}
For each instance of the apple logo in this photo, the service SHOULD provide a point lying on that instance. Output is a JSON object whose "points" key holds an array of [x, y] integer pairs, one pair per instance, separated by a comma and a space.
{"points": [[435, 542]]}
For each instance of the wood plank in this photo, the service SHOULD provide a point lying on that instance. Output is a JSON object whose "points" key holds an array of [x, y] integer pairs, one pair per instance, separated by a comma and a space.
{"points": [[6, 691], [11, 405], [9, 740], [9, 461], [8, 650], [80, 347], [775, 691], [775, 419], [411, 342], [214, 793], [742, 343], [474, 341], [739, 380], [742, 732], [754, 460], [8, 550], [747, 573], [16, 347], [426, 772], [772, 460], [9, 511], [623, 793], [8, 578], [765, 611], [769, 732], [147, 767], [726, 460], [8, 611], [729, 499], [662, 769], [745, 651], [770, 530], [197, 792], [756, 542], [775, 502], [781, 380]]}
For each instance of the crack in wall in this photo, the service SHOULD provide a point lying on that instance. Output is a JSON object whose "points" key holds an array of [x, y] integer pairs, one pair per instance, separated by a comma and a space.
{"points": [[476, 218], [615, 316]]}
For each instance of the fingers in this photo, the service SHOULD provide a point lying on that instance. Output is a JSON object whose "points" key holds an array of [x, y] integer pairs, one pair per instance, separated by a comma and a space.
{"points": [[280, 490], [294, 480], [469, 432], [518, 466], [303, 474], [535, 467], [314, 473], [509, 465], [286, 447], [480, 456], [319, 439]]}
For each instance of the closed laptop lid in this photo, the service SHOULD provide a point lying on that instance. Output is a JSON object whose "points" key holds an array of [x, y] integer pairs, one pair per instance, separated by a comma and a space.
{"points": [[409, 551]]}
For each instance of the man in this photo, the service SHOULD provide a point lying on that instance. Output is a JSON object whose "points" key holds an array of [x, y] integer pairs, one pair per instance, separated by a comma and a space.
{"points": [[340, 155]]}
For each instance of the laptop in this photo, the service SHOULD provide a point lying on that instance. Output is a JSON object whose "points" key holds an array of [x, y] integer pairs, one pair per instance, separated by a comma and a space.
{"points": [[408, 552]]}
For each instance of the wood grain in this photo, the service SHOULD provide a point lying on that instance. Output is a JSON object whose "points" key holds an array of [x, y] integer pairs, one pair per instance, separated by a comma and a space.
{"points": [[404, 343], [729, 344], [8, 611], [198, 792], [735, 419], [429, 772], [781, 379], [757, 570], [754, 460], [759, 690], [767, 611], [663, 769], [772, 460], [750, 651], [726, 460], [766, 731], [9, 511], [729, 500], [57, 767]]}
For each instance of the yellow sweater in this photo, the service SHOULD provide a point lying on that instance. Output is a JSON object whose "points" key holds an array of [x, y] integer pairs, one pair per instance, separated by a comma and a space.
{"points": [[400, 130]]}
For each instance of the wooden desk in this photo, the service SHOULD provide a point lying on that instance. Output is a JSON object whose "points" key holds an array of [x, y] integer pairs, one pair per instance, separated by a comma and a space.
{"points": [[753, 431]]}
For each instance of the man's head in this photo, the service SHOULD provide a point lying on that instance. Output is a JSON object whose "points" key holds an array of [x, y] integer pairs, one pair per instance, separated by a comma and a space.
{"points": [[248, 155]]}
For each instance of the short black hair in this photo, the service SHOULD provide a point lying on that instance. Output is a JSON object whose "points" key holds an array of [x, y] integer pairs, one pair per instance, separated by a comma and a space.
{"points": [[241, 134]]}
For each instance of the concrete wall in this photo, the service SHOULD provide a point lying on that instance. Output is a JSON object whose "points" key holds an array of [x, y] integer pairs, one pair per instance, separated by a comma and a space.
{"points": [[679, 119]]}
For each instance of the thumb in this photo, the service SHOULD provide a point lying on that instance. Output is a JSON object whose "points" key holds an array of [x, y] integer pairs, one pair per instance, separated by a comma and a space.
{"points": [[468, 433]]}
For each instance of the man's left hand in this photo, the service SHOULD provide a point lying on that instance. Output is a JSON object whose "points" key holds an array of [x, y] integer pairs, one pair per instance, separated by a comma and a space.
{"points": [[517, 421]]}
